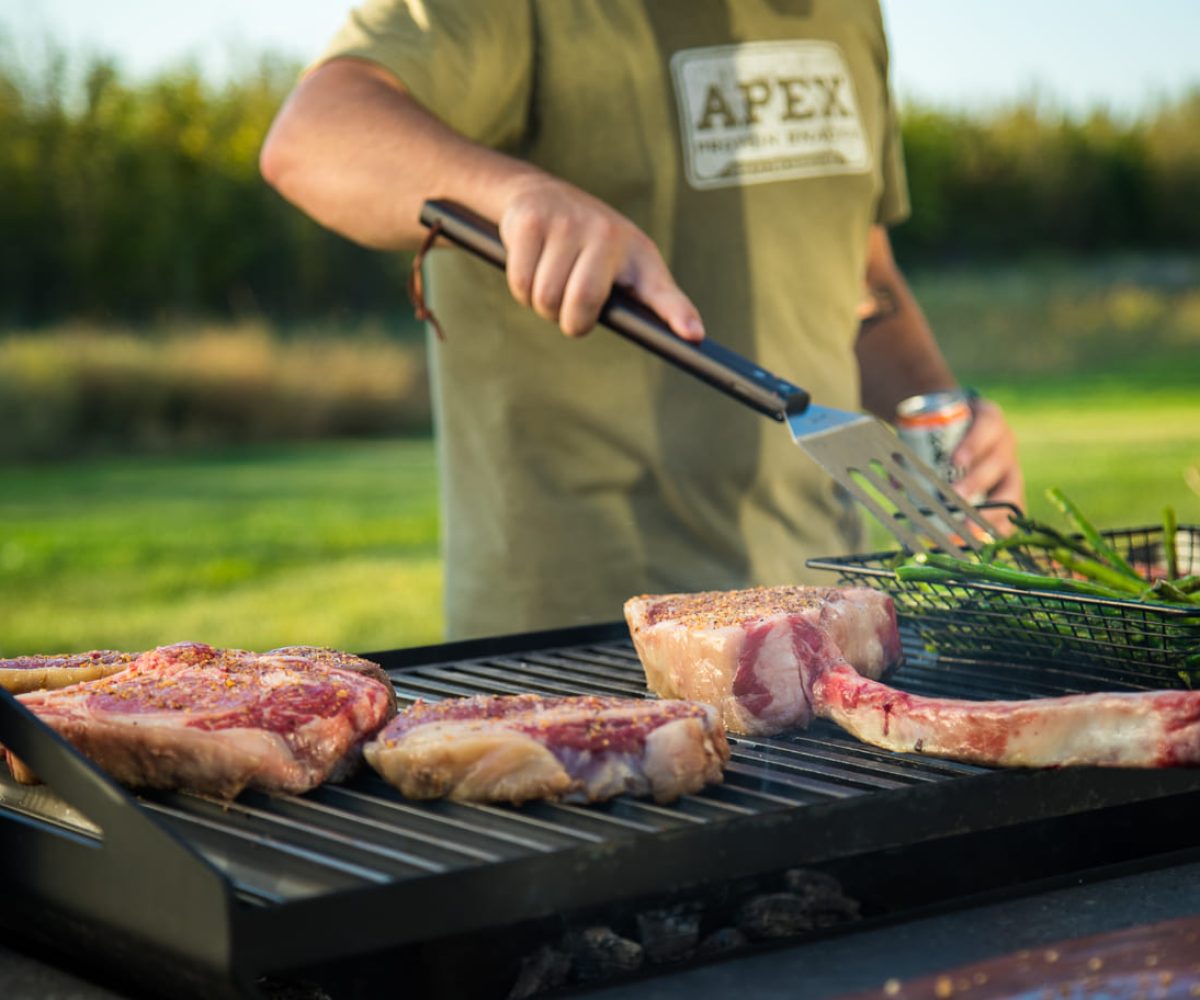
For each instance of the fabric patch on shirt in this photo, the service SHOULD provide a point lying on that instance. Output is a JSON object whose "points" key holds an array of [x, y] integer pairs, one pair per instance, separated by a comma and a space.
{"points": [[767, 111]]}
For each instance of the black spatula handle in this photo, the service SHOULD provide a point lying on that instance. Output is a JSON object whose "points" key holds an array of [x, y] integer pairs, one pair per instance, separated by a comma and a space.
{"points": [[622, 313]]}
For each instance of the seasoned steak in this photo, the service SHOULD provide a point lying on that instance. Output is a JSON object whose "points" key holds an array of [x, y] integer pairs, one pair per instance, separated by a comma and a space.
{"points": [[775, 658], [494, 748], [220, 720], [56, 670], [754, 653]]}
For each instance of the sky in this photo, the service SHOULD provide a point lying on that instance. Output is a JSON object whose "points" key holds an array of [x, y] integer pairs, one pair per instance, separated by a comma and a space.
{"points": [[1076, 54]]}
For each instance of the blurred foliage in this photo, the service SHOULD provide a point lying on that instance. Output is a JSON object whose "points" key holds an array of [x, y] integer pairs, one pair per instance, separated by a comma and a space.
{"points": [[127, 201], [77, 389], [1125, 316], [1031, 179], [131, 201]]}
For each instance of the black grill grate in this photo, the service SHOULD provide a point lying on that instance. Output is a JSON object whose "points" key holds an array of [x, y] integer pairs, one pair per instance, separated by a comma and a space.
{"points": [[346, 868], [276, 848], [366, 833]]}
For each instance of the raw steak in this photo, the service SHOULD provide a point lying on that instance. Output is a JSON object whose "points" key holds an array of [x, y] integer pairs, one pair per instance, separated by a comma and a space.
{"points": [[220, 720], [775, 658], [754, 653], [1106, 729], [56, 670], [493, 748]]}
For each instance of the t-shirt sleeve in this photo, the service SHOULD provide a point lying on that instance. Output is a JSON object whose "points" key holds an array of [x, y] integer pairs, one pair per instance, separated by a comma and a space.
{"points": [[470, 62], [894, 206]]}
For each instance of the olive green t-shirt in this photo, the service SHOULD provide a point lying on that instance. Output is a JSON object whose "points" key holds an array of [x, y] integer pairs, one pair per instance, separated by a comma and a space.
{"points": [[755, 142]]}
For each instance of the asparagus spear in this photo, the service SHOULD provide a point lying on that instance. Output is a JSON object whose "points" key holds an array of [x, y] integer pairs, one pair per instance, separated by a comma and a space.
{"points": [[948, 568], [1037, 531], [1097, 571], [1170, 526], [1085, 527]]}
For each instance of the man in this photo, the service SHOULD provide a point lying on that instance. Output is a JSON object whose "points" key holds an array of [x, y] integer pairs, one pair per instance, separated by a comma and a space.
{"points": [[736, 161]]}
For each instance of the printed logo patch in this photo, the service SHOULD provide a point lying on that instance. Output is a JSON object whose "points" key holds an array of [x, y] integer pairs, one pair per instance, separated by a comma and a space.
{"points": [[767, 111]]}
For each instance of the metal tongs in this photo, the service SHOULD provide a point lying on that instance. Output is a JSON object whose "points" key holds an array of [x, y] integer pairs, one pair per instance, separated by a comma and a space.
{"points": [[860, 452]]}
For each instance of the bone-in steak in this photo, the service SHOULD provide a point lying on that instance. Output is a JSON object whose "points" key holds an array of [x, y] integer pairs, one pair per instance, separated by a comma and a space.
{"points": [[220, 720], [1100, 729], [47, 671], [775, 658], [514, 748], [754, 653]]}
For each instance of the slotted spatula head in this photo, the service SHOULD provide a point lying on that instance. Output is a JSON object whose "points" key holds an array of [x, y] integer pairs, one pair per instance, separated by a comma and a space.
{"points": [[865, 457]]}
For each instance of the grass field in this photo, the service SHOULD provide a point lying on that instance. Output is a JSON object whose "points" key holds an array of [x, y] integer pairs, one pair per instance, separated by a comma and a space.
{"points": [[332, 543], [335, 543]]}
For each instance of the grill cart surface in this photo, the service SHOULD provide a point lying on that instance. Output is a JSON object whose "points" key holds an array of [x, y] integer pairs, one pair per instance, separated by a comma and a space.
{"points": [[353, 885]]}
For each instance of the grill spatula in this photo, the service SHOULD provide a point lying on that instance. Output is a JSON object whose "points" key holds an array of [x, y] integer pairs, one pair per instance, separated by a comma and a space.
{"points": [[858, 451]]}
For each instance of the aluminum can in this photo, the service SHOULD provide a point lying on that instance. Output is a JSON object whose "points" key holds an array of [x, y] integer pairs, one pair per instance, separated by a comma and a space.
{"points": [[932, 425]]}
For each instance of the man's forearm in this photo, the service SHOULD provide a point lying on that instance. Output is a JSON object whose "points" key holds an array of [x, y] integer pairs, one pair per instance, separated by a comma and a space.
{"points": [[897, 353], [359, 155], [353, 150]]}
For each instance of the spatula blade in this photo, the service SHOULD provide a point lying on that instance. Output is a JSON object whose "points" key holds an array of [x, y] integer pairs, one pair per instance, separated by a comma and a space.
{"points": [[865, 456]]}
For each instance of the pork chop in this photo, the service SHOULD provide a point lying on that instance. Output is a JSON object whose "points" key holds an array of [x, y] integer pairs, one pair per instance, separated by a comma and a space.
{"points": [[220, 720], [497, 748], [754, 653]]}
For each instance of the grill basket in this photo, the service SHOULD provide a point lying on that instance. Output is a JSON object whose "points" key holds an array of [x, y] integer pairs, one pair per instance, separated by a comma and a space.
{"points": [[1158, 644]]}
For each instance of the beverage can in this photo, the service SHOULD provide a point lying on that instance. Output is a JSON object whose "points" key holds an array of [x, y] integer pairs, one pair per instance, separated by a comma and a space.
{"points": [[932, 425]]}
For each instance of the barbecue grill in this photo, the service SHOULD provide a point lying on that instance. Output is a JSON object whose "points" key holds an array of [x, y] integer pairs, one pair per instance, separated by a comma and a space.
{"points": [[353, 886]]}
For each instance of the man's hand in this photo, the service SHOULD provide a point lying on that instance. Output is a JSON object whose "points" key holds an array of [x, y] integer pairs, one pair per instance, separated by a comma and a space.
{"points": [[567, 249], [358, 153], [988, 452]]}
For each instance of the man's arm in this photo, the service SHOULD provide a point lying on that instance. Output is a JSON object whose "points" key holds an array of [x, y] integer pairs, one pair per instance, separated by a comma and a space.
{"points": [[899, 357], [354, 150]]}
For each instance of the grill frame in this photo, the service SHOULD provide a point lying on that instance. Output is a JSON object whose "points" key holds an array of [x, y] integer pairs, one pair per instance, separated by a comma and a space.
{"points": [[155, 890]]}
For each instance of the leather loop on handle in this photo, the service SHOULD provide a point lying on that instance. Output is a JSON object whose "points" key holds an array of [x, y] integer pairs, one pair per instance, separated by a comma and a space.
{"points": [[622, 313]]}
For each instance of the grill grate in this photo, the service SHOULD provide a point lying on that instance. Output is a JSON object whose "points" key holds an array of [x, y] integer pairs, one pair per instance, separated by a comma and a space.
{"points": [[276, 848], [365, 833], [361, 849], [282, 847]]}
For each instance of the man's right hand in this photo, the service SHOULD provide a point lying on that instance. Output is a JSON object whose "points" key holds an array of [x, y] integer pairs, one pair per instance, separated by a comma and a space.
{"points": [[567, 249], [355, 151]]}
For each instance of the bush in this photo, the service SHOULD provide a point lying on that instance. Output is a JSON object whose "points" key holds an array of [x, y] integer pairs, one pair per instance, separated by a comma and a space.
{"points": [[125, 201], [78, 389]]}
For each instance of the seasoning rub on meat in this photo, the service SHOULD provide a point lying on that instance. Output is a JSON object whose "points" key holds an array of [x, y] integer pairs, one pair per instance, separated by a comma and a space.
{"points": [[189, 716], [42, 672], [497, 748], [755, 653]]}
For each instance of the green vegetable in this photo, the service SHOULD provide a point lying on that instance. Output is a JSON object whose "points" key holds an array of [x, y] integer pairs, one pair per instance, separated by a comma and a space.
{"points": [[1097, 571], [1103, 550], [1169, 529], [1040, 557], [949, 568]]}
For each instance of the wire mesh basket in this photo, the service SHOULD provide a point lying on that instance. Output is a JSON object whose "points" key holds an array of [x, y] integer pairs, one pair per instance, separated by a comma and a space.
{"points": [[992, 621]]}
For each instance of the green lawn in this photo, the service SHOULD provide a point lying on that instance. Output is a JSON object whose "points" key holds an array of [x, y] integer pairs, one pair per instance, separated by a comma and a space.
{"points": [[336, 543], [332, 543]]}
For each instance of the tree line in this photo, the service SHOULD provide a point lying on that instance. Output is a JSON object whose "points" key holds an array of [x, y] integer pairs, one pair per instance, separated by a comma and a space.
{"points": [[130, 201]]}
